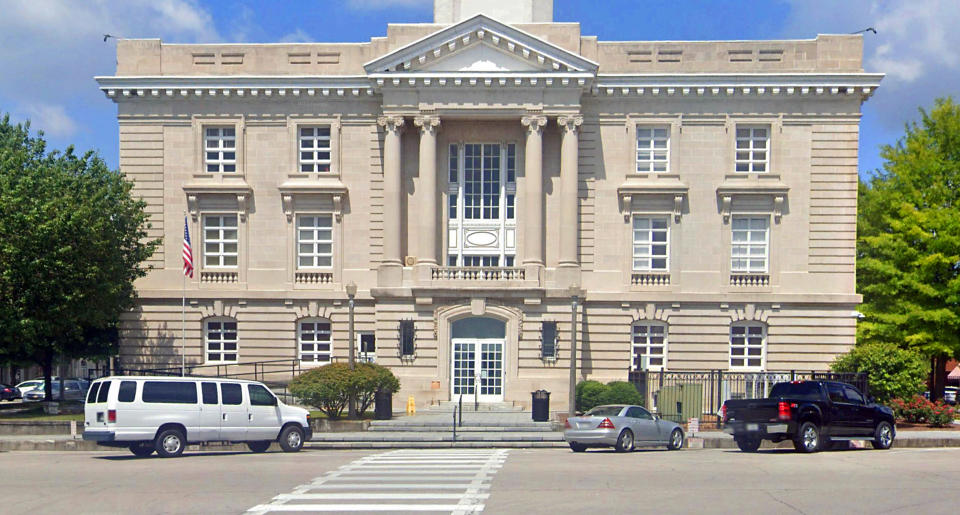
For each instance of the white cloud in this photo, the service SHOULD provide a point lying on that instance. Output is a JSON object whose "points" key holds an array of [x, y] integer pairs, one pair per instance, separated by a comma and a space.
{"points": [[373, 5], [297, 36], [53, 120]]}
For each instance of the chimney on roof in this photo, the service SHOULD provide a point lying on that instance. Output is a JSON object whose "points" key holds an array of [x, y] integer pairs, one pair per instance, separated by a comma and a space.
{"points": [[507, 11]]}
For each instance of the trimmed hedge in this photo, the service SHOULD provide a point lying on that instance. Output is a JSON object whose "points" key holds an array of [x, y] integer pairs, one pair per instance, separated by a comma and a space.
{"points": [[594, 393], [329, 388]]}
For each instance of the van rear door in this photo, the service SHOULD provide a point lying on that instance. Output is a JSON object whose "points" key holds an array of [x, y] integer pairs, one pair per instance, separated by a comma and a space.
{"points": [[94, 412]]}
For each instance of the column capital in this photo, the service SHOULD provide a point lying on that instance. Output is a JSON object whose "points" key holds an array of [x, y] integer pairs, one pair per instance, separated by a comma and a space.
{"points": [[534, 123], [427, 122], [391, 122], [570, 122]]}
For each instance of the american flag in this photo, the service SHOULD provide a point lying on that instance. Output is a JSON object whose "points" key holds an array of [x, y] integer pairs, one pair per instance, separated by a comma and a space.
{"points": [[187, 251]]}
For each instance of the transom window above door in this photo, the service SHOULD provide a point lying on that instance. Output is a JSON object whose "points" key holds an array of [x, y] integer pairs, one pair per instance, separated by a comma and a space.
{"points": [[481, 204]]}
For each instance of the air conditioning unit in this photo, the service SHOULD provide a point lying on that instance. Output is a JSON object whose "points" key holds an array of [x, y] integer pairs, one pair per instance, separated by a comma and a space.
{"points": [[409, 261]]}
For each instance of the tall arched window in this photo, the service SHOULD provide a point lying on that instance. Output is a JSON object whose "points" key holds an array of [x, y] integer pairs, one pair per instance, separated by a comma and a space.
{"points": [[648, 348], [220, 340], [748, 345], [315, 341]]}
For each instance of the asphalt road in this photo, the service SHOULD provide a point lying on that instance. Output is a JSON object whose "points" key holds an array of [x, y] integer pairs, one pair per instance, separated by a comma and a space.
{"points": [[497, 481]]}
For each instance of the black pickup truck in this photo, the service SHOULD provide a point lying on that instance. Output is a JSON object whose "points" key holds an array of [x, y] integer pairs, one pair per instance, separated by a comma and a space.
{"points": [[810, 413]]}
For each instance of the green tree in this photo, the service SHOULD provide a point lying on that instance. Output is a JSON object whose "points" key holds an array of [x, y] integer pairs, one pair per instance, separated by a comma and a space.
{"points": [[72, 240], [908, 244], [893, 372]]}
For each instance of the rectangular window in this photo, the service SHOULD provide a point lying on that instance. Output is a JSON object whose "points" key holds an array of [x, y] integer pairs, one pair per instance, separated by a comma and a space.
{"points": [[511, 202], [220, 241], [752, 149], [452, 260], [171, 392], [221, 338], [653, 149], [454, 166], [209, 391], [548, 340], [749, 244], [231, 393], [481, 181], [260, 396], [481, 261], [315, 241], [127, 392], [315, 149], [649, 344], [651, 243], [316, 346], [747, 344], [511, 162], [368, 347], [104, 391], [452, 200], [407, 338], [92, 394], [220, 149]]}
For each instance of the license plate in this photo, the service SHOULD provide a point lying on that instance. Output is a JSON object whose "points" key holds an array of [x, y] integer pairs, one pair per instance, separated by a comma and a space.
{"points": [[753, 427], [100, 416]]}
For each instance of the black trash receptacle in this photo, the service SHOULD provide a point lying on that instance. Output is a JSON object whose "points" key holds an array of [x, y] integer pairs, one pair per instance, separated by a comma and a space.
{"points": [[383, 406], [541, 405]]}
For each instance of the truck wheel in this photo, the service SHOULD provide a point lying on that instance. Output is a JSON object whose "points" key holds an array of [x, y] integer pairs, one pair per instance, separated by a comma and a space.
{"points": [[577, 447], [883, 436], [259, 446], [291, 439], [625, 441], [676, 440], [170, 443], [748, 443], [808, 438], [141, 450]]}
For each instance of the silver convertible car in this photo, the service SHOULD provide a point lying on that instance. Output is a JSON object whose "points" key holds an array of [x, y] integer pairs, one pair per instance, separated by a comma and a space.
{"points": [[621, 427]]}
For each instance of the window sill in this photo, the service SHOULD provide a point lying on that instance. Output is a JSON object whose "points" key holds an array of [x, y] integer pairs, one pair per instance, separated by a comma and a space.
{"points": [[667, 186]]}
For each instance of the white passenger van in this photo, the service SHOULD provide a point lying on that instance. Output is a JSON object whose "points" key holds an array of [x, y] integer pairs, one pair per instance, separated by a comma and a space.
{"points": [[164, 414]]}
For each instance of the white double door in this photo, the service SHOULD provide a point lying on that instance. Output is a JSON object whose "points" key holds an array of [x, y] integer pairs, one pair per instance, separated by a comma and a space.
{"points": [[477, 369]]}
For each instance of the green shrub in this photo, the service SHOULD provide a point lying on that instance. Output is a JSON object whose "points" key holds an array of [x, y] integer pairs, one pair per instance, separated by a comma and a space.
{"points": [[916, 410], [367, 380], [326, 388], [620, 392], [892, 372], [942, 415], [588, 394]]}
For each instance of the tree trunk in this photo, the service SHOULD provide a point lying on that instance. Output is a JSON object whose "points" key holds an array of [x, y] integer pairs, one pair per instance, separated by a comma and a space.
{"points": [[47, 365], [938, 378]]}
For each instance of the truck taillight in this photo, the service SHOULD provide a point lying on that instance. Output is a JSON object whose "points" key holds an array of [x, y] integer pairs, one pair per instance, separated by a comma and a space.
{"points": [[112, 416], [606, 424], [783, 411], [723, 413]]}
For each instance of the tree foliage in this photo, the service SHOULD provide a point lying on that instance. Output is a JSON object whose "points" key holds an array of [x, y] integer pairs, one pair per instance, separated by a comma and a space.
{"points": [[329, 388], [72, 240], [893, 372], [594, 393], [908, 244]]}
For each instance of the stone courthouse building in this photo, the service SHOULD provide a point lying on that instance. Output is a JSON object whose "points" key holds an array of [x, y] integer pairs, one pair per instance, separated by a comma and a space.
{"points": [[473, 179]]}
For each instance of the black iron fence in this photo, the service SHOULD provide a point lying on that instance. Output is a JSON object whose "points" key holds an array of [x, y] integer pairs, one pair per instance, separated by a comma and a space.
{"points": [[680, 396], [276, 374]]}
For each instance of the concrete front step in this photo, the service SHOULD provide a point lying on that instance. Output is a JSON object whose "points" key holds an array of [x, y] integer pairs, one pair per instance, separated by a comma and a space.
{"points": [[496, 407]]}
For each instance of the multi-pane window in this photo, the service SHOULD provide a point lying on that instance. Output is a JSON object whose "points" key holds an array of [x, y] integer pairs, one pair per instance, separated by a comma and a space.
{"points": [[548, 340], [315, 241], [651, 247], [752, 149], [220, 241], [481, 181], [221, 340], [653, 149], [315, 149], [367, 345], [749, 250], [747, 345], [314, 340], [220, 149], [648, 346]]}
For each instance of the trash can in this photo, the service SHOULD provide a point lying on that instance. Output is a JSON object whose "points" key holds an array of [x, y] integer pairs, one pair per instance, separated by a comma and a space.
{"points": [[383, 406], [541, 405]]}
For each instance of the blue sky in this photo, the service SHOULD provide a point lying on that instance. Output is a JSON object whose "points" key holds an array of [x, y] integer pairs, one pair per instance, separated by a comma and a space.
{"points": [[51, 49]]}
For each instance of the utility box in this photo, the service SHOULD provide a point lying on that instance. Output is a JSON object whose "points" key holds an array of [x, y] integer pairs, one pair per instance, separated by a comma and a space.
{"points": [[681, 402]]}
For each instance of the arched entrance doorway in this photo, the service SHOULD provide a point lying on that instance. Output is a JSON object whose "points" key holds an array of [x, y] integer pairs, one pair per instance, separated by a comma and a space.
{"points": [[477, 345]]}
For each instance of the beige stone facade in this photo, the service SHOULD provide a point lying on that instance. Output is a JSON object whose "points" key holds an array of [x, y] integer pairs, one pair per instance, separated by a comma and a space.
{"points": [[732, 248]]}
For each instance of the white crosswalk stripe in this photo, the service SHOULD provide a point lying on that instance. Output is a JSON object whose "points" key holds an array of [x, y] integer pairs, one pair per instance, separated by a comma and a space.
{"points": [[452, 481]]}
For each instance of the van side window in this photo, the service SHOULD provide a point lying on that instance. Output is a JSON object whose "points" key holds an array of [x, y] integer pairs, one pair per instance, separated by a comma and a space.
{"points": [[231, 393], [92, 394], [104, 391], [128, 391], [209, 393], [173, 392], [259, 396]]}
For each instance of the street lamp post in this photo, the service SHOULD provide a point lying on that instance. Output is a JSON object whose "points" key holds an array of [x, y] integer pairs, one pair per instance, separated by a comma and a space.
{"points": [[574, 298], [351, 293]]}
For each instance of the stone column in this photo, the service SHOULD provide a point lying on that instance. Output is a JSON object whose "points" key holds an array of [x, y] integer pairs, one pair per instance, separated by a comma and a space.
{"points": [[533, 191], [569, 210], [427, 198], [391, 268]]}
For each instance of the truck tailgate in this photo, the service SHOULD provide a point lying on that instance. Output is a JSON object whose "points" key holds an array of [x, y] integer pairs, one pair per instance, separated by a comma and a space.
{"points": [[752, 410]]}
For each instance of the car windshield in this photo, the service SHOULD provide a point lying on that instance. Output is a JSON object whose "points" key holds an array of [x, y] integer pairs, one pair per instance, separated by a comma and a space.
{"points": [[605, 411], [802, 391]]}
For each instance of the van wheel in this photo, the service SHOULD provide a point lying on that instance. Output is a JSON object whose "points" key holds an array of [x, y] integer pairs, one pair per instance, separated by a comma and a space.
{"points": [[259, 446], [291, 439], [142, 450], [170, 443]]}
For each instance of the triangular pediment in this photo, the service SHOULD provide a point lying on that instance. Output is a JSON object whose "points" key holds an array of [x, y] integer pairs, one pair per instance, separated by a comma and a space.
{"points": [[481, 44]]}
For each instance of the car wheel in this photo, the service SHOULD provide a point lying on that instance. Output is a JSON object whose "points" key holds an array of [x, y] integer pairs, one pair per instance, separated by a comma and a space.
{"points": [[676, 440], [141, 450], [170, 443], [291, 439], [808, 438], [625, 441], [259, 446], [577, 447], [883, 436], [748, 443]]}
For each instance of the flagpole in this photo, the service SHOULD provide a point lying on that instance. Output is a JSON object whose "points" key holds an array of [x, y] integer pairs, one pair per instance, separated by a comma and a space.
{"points": [[183, 320]]}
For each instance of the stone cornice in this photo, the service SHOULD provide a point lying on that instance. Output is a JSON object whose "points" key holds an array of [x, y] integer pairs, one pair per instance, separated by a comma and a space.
{"points": [[738, 84], [237, 86]]}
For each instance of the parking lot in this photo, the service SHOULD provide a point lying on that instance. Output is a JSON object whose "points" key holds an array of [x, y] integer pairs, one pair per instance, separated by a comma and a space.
{"points": [[523, 481]]}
